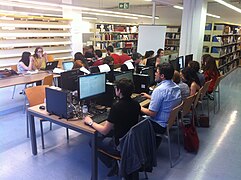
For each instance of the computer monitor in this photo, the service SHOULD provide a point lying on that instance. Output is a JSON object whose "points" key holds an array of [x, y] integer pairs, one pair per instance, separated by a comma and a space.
{"points": [[151, 61], [126, 74], [150, 72], [175, 64], [188, 58], [67, 65], [181, 62], [127, 66], [91, 85], [69, 79], [94, 69]]}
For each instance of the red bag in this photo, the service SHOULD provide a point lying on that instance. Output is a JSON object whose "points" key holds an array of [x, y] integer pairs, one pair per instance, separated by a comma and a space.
{"points": [[191, 140]]}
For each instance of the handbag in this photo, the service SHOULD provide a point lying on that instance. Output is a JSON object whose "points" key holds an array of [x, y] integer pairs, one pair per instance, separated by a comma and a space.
{"points": [[6, 73], [191, 140]]}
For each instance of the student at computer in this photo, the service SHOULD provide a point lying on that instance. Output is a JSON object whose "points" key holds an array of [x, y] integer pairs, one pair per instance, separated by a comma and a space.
{"points": [[210, 71], [136, 57], [25, 63], [108, 60], [185, 91], [123, 115], [98, 55], [190, 77], [110, 52], [124, 56], [196, 67], [80, 61], [159, 54], [39, 58], [148, 54], [164, 98]]}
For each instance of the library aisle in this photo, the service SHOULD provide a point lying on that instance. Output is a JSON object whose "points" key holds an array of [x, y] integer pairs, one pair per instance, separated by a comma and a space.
{"points": [[219, 154]]}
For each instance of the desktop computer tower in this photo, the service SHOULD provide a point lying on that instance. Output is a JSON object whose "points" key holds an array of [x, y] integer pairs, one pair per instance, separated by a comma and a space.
{"points": [[59, 102], [141, 82]]}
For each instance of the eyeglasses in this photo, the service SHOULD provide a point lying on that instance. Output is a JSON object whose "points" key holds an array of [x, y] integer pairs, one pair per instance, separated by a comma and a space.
{"points": [[40, 51]]}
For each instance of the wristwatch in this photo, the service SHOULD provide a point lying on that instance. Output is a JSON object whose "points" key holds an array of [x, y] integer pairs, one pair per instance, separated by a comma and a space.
{"points": [[90, 123]]}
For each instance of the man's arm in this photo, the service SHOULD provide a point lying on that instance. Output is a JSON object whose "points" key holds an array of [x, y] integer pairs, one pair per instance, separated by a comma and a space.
{"points": [[148, 112]]}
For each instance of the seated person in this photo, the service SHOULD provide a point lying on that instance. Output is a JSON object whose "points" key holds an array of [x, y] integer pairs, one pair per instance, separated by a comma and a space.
{"points": [[39, 58], [98, 55], [108, 60], [189, 76], [148, 54], [25, 63], [124, 56], [210, 71], [185, 91], [136, 57], [196, 66], [159, 54], [90, 57], [164, 98], [110, 52], [123, 115], [80, 61]]}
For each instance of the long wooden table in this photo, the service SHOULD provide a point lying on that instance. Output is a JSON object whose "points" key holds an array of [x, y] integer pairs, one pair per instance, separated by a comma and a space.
{"points": [[76, 125], [24, 79]]}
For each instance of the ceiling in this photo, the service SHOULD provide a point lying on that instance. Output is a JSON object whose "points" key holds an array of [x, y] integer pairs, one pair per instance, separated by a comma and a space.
{"points": [[164, 9]]}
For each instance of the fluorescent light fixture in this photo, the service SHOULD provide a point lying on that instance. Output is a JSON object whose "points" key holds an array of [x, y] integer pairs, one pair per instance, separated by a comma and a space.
{"points": [[110, 15], [228, 5], [212, 15], [208, 14], [81, 8], [90, 18], [178, 7]]}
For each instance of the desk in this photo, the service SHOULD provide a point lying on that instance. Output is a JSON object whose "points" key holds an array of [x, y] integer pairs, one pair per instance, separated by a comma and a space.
{"points": [[23, 79], [77, 126]]}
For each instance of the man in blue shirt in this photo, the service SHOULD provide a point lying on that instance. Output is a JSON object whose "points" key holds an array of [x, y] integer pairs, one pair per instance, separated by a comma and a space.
{"points": [[164, 98]]}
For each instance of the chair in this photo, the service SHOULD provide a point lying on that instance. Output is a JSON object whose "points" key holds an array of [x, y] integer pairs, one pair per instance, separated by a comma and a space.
{"points": [[203, 94], [50, 58], [35, 96], [187, 106], [15, 68], [217, 91], [142, 136], [48, 80], [173, 118], [195, 103]]}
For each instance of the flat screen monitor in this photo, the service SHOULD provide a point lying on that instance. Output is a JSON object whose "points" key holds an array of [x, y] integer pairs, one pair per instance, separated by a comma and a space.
{"points": [[151, 61], [150, 72], [175, 64], [181, 62], [69, 79], [173, 56], [94, 69], [91, 85], [126, 74], [188, 58], [164, 59], [68, 65]]}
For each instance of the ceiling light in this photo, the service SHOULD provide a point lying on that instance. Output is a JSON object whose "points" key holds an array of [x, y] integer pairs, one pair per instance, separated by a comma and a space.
{"points": [[208, 14], [110, 15], [90, 18], [229, 5]]}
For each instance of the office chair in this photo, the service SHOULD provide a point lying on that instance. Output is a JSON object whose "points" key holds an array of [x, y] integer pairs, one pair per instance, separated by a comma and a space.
{"points": [[35, 96]]}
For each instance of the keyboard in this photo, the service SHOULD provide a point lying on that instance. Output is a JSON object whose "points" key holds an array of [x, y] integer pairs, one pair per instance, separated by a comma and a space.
{"points": [[139, 98], [100, 117]]}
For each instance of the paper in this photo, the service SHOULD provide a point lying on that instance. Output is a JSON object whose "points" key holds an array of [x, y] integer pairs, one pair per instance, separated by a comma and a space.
{"points": [[58, 70], [104, 68], [84, 70], [129, 65]]}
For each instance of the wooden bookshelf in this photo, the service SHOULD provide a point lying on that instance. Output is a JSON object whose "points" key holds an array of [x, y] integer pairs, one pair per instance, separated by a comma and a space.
{"points": [[172, 40]]}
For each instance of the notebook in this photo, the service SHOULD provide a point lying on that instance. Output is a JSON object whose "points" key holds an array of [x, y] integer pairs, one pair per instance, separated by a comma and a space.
{"points": [[51, 65]]}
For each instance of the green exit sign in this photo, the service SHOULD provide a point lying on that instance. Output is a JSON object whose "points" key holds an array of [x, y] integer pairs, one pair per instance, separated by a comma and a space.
{"points": [[124, 5]]}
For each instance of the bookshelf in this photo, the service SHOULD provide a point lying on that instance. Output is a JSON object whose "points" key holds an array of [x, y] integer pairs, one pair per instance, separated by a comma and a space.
{"points": [[223, 41], [172, 41], [118, 35], [25, 33]]}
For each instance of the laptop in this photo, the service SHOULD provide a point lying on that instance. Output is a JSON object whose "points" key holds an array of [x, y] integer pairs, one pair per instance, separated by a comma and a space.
{"points": [[51, 65], [68, 65]]}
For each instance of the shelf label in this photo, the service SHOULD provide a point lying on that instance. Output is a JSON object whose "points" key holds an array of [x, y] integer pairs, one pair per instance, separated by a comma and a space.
{"points": [[124, 5]]}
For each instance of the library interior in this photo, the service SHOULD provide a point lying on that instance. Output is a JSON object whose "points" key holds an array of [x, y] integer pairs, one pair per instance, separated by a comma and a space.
{"points": [[131, 89]]}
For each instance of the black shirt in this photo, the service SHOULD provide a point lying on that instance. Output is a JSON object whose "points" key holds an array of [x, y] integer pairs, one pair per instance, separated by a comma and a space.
{"points": [[124, 114]]}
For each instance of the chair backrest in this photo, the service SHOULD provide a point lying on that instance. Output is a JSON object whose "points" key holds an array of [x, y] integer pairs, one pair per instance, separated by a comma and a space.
{"points": [[187, 104], [198, 94], [48, 80], [35, 95], [50, 58], [173, 115], [205, 89], [217, 82], [14, 67]]}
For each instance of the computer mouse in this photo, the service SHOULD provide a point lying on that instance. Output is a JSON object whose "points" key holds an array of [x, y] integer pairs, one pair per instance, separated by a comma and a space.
{"points": [[42, 107]]}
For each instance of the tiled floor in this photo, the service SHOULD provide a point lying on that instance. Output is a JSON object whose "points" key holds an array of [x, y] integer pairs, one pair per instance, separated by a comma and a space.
{"points": [[219, 155]]}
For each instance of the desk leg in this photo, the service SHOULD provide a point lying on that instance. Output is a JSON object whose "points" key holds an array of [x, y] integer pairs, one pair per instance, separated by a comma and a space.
{"points": [[94, 169], [32, 134]]}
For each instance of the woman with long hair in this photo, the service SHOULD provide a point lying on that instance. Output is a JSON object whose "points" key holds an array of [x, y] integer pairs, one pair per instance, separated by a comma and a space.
{"points": [[80, 61], [190, 77], [25, 63], [210, 71], [40, 58]]}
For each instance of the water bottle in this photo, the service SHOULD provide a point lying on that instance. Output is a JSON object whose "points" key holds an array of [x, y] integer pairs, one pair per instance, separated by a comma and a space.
{"points": [[84, 111]]}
